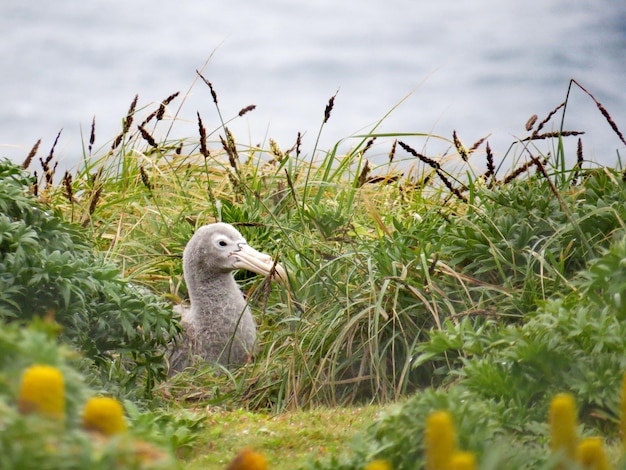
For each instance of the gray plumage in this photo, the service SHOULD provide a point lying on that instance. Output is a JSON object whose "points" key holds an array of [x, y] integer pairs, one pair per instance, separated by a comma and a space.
{"points": [[218, 326]]}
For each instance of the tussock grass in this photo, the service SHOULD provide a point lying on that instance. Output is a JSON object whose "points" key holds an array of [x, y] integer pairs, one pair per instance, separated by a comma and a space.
{"points": [[378, 254], [470, 280]]}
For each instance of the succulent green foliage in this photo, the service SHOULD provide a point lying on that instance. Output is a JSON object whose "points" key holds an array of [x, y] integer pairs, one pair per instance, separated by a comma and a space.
{"points": [[530, 240], [48, 269]]}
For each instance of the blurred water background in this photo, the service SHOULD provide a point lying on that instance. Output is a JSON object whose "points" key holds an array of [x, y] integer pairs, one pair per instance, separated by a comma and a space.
{"points": [[478, 67]]}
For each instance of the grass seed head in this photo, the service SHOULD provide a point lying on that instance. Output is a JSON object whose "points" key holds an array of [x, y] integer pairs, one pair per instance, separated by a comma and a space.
{"points": [[460, 148], [92, 135], [161, 112], [531, 122], [204, 151], [147, 137], [547, 118], [68, 190], [392, 152], [31, 155], [329, 108], [247, 109]]}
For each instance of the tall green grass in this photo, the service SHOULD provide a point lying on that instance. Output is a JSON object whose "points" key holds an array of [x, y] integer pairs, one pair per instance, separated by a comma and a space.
{"points": [[378, 254]]}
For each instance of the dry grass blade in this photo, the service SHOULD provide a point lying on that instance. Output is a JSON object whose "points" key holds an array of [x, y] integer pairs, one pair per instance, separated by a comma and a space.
{"points": [[31, 155], [604, 112]]}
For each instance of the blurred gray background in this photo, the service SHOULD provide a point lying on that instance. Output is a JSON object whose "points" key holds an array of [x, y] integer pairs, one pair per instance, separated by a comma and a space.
{"points": [[478, 67]]}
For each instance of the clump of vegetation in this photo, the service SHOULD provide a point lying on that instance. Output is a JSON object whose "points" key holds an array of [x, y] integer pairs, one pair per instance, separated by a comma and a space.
{"points": [[482, 292], [497, 380], [48, 269], [51, 418]]}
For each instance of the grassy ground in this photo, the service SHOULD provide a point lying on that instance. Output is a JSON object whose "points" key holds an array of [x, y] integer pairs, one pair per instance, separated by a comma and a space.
{"points": [[288, 439]]}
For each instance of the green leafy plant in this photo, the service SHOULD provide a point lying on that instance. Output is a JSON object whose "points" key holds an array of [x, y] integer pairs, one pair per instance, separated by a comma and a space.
{"points": [[49, 270]]}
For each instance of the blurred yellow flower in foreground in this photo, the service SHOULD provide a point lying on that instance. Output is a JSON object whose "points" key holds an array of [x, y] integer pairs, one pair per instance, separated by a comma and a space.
{"points": [[462, 461], [248, 459], [591, 454], [42, 390], [378, 465], [440, 439], [563, 425], [622, 422], [105, 415]]}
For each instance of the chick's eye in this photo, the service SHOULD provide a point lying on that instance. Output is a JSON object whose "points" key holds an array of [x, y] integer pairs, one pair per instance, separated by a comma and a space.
{"points": [[222, 243]]}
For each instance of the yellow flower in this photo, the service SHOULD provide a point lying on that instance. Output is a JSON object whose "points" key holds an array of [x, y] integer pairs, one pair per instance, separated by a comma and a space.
{"points": [[378, 465], [104, 415], [248, 459], [591, 455], [42, 391], [462, 461], [622, 422], [440, 440], [563, 425]]}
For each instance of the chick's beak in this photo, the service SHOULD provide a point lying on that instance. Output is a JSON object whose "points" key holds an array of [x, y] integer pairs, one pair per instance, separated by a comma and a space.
{"points": [[252, 260]]}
